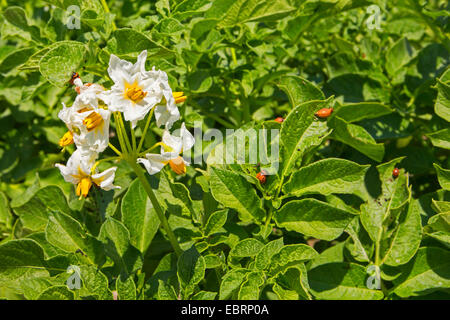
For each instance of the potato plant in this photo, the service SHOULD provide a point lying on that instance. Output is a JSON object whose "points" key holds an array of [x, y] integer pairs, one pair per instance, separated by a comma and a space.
{"points": [[120, 122]]}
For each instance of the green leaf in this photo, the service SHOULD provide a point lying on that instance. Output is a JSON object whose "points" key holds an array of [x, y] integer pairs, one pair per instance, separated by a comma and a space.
{"points": [[139, 216], [398, 56], [262, 260], [116, 239], [204, 295], [427, 272], [440, 139], [6, 217], [126, 289], [246, 248], [328, 176], [394, 194], [406, 239], [124, 41], [61, 60], [442, 105], [360, 111], [34, 213], [300, 132], [313, 218], [175, 197], [341, 281], [190, 269], [254, 10], [57, 293], [215, 222], [356, 137], [67, 234], [289, 285], [299, 90], [21, 259], [231, 281], [233, 191], [291, 255], [250, 288], [15, 58], [443, 177], [95, 283]]}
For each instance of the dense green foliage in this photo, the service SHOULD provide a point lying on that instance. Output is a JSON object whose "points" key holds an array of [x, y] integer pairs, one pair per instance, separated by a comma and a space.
{"points": [[317, 229]]}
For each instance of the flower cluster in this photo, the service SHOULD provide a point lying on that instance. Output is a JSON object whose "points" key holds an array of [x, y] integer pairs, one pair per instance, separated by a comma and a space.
{"points": [[134, 94]]}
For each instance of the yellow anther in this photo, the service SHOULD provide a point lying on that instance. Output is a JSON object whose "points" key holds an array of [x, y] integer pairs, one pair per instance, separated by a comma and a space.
{"points": [[92, 121], [134, 92], [178, 166], [83, 187], [179, 97], [67, 139]]}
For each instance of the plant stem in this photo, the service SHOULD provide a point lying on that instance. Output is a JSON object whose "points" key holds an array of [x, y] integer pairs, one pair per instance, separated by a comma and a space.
{"points": [[144, 133], [123, 146], [159, 211], [133, 137], [124, 132], [106, 8], [114, 149]]}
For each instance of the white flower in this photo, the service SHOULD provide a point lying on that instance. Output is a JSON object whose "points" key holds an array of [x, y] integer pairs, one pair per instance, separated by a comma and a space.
{"points": [[88, 123], [136, 91], [172, 147], [78, 171]]}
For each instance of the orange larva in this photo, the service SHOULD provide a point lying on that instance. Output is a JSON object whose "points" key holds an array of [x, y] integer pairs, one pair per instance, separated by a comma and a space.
{"points": [[324, 112], [279, 120], [261, 177]]}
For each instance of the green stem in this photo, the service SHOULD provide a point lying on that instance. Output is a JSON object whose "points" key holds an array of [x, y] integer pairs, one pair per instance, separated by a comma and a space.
{"points": [[159, 211], [124, 132], [133, 137], [106, 8], [114, 149], [144, 133], [123, 146]]}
